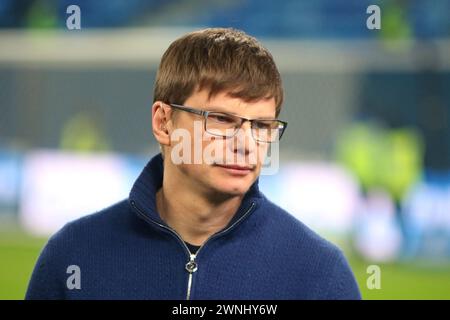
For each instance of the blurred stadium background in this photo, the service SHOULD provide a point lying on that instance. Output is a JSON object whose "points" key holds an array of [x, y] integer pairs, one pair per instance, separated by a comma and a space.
{"points": [[365, 161]]}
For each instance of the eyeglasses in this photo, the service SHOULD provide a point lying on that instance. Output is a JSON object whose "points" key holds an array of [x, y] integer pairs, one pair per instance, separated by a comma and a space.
{"points": [[226, 125]]}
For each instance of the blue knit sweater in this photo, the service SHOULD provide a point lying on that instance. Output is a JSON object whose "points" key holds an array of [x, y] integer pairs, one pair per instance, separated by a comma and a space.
{"points": [[127, 251]]}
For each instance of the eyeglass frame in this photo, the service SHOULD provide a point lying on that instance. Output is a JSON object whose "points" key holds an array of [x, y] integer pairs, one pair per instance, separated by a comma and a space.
{"points": [[205, 114]]}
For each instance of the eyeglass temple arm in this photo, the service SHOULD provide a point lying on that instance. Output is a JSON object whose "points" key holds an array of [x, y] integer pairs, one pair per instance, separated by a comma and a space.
{"points": [[191, 110]]}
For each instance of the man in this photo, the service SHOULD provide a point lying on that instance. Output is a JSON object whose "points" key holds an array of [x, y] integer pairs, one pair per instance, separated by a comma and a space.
{"points": [[195, 225]]}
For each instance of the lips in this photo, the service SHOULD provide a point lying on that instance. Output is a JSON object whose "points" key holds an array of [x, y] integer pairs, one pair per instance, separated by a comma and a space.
{"points": [[236, 170], [235, 167]]}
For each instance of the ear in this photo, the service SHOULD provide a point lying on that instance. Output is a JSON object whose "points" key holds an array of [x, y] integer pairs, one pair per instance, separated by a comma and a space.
{"points": [[160, 122]]}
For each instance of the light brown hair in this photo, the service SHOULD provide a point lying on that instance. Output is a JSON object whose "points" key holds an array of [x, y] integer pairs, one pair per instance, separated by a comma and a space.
{"points": [[219, 60]]}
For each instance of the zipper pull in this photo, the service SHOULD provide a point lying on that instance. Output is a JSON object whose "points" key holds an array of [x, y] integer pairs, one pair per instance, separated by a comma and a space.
{"points": [[191, 266]]}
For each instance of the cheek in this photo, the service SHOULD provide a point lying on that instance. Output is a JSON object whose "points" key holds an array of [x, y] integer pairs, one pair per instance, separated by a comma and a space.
{"points": [[213, 150], [259, 153], [262, 149]]}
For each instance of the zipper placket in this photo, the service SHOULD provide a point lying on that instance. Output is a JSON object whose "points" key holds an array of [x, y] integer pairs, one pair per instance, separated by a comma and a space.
{"points": [[191, 266]]}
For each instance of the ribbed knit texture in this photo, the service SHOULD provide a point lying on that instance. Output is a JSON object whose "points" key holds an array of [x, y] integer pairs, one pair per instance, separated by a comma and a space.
{"points": [[123, 252]]}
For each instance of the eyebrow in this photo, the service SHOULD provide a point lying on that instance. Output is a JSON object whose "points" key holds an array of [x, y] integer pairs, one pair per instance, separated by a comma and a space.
{"points": [[219, 109]]}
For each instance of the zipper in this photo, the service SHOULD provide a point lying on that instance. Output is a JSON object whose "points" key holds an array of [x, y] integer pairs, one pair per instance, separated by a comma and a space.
{"points": [[191, 266]]}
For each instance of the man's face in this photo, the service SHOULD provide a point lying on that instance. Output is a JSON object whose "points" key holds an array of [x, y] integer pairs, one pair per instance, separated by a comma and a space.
{"points": [[229, 166]]}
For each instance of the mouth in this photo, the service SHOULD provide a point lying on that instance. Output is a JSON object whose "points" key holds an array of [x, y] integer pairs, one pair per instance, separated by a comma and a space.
{"points": [[236, 169]]}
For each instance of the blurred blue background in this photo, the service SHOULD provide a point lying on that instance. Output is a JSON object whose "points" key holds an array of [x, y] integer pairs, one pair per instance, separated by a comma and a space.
{"points": [[365, 161]]}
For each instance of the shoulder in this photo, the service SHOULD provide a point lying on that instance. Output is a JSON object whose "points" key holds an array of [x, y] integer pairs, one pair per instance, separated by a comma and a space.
{"points": [[284, 226], [91, 233], [92, 230], [313, 256], [109, 218], [76, 241]]}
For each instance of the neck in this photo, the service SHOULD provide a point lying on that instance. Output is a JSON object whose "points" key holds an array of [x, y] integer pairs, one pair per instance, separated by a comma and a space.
{"points": [[193, 214]]}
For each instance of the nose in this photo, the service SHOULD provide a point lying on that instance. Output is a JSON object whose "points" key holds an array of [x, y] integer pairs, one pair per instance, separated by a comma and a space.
{"points": [[246, 126], [243, 142]]}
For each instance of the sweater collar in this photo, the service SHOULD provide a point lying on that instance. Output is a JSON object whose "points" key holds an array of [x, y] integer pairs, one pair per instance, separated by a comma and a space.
{"points": [[143, 192]]}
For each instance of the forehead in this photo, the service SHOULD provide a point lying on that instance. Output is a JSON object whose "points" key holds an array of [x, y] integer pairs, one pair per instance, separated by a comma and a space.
{"points": [[223, 102]]}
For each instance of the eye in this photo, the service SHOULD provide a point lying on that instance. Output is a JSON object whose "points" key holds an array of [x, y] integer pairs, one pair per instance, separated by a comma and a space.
{"points": [[221, 118], [264, 124]]}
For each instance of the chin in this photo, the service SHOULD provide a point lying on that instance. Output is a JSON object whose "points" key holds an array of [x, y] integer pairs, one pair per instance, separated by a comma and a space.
{"points": [[234, 190], [232, 186]]}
